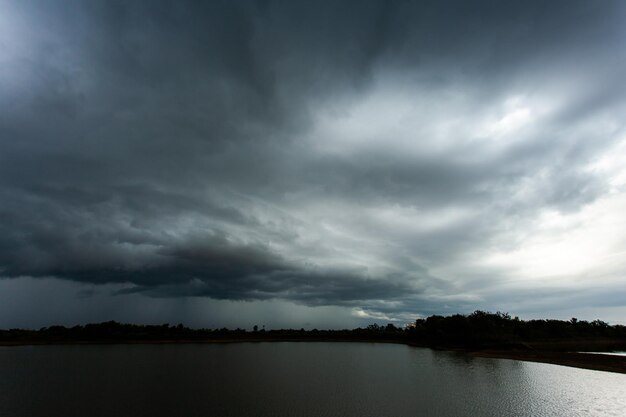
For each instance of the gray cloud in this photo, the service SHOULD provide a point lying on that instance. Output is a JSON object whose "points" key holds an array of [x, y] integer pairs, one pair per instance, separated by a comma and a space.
{"points": [[370, 155]]}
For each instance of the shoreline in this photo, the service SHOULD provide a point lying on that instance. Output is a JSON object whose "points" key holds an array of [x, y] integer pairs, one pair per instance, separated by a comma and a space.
{"points": [[591, 361]]}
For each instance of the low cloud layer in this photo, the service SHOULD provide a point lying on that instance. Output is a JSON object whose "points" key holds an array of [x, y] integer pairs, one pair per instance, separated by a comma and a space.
{"points": [[385, 159]]}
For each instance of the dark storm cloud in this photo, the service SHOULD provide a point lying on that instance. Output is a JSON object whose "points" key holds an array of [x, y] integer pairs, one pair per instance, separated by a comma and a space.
{"points": [[228, 150], [204, 264]]}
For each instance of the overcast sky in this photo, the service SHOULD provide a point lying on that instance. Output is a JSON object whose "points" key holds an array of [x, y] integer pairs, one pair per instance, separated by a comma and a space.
{"points": [[311, 164]]}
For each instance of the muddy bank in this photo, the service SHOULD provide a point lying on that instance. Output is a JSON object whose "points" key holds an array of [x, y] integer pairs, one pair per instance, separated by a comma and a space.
{"points": [[597, 362]]}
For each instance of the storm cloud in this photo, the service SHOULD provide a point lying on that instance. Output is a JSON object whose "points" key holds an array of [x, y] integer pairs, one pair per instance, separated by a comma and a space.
{"points": [[390, 159]]}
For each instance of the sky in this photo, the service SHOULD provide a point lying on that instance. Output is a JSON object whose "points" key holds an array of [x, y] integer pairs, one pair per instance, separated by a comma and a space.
{"points": [[311, 164]]}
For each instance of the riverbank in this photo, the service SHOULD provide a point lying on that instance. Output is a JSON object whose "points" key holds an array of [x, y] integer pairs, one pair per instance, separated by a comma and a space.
{"points": [[593, 361], [201, 341]]}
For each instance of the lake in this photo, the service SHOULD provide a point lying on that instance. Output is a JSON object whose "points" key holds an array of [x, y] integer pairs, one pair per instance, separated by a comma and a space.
{"points": [[292, 379]]}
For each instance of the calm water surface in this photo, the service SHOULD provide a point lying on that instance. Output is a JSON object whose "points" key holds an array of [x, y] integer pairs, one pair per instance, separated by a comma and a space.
{"points": [[293, 379]]}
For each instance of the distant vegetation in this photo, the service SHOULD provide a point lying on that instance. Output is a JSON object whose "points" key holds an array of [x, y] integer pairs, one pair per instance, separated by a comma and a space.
{"points": [[484, 330], [479, 330]]}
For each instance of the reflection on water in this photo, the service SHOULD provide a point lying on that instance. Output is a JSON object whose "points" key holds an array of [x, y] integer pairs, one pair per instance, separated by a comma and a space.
{"points": [[608, 353], [293, 379]]}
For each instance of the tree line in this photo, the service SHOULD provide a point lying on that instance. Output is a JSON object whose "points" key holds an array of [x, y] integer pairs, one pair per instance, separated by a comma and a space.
{"points": [[478, 330], [483, 329]]}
